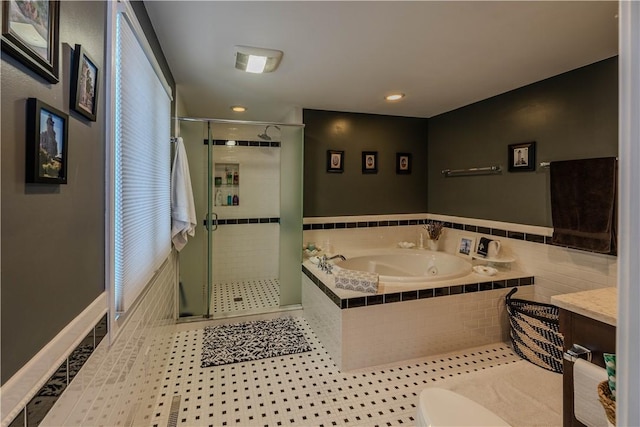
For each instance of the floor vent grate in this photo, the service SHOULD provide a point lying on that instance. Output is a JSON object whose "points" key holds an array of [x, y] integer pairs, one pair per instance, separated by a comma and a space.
{"points": [[173, 412]]}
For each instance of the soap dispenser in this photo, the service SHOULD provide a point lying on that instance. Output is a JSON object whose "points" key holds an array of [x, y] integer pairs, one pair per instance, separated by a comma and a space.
{"points": [[218, 197]]}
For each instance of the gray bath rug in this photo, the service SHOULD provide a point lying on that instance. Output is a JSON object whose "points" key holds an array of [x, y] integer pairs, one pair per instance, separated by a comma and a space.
{"points": [[260, 339]]}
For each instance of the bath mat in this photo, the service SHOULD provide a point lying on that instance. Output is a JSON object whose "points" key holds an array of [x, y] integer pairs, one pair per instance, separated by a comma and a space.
{"points": [[255, 340]]}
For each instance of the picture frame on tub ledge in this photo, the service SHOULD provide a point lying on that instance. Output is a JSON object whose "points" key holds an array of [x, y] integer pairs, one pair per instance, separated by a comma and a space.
{"points": [[466, 246]]}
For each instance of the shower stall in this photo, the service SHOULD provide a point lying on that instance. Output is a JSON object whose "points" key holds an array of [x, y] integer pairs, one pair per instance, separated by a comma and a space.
{"points": [[247, 185]]}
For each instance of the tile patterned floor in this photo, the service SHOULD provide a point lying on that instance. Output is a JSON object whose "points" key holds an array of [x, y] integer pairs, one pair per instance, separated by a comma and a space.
{"points": [[247, 295], [303, 389]]}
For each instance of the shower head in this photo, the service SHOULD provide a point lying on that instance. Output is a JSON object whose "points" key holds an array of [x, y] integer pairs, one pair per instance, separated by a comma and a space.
{"points": [[264, 136]]}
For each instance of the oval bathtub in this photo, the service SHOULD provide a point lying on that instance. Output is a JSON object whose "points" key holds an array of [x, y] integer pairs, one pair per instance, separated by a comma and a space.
{"points": [[406, 265]]}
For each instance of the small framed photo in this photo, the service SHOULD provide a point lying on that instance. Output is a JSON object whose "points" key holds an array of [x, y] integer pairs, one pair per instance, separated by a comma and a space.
{"points": [[84, 84], [522, 157], [47, 135], [466, 246], [369, 162], [30, 34], [403, 163], [335, 161]]}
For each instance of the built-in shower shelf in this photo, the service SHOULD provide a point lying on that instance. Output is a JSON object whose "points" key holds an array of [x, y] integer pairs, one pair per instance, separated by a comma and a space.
{"points": [[227, 184]]}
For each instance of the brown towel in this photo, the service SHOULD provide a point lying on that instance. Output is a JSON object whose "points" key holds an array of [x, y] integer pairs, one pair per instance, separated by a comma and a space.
{"points": [[583, 204]]}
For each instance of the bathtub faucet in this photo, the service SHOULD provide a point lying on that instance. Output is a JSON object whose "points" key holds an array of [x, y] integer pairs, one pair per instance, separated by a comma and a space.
{"points": [[325, 265]]}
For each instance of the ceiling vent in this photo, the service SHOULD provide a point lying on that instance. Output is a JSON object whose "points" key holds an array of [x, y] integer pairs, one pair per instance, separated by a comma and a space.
{"points": [[257, 60]]}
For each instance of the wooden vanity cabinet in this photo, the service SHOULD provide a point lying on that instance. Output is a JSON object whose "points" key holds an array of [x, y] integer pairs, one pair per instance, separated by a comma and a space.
{"points": [[597, 336]]}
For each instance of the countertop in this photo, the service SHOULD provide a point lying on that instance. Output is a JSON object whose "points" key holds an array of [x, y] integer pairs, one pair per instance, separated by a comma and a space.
{"points": [[598, 304]]}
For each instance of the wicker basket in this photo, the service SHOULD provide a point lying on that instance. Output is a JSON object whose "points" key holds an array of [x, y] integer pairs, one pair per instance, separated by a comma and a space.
{"points": [[534, 332], [609, 405]]}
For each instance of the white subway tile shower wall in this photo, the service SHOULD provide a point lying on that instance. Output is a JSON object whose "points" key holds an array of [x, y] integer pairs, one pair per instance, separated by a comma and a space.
{"points": [[246, 252], [259, 181], [556, 270], [249, 251], [119, 385]]}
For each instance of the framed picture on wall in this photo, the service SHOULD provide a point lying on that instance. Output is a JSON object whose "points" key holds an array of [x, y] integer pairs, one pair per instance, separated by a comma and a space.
{"points": [[30, 34], [466, 246], [84, 84], [403, 163], [522, 157], [47, 135], [369, 162], [335, 161]]}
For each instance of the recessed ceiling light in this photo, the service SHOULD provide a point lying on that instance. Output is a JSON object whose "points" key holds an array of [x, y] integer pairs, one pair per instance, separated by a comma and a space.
{"points": [[257, 60], [394, 96], [238, 108]]}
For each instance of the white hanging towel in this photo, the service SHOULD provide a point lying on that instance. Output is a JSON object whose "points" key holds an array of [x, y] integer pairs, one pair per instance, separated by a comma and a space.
{"points": [[183, 210]]}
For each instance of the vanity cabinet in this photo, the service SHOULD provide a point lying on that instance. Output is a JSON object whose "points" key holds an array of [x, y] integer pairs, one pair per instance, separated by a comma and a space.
{"points": [[588, 319], [595, 335]]}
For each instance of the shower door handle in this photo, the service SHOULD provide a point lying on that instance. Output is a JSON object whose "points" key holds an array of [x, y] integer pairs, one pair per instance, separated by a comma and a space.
{"points": [[214, 222]]}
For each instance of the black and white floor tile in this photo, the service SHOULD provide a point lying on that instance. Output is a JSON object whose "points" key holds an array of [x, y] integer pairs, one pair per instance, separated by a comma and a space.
{"points": [[304, 389], [238, 296]]}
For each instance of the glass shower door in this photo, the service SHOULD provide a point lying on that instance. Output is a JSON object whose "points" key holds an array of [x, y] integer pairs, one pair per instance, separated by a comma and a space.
{"points": [[194, 282], [247, 184], [246, 195]]}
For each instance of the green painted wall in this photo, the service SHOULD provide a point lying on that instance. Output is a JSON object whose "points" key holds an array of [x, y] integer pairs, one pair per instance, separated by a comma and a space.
{"points": [[352, 192], [570, 116]]}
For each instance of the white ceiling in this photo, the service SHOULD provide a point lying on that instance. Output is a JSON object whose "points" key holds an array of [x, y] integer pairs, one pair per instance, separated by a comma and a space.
{"points": [[346, 56]]}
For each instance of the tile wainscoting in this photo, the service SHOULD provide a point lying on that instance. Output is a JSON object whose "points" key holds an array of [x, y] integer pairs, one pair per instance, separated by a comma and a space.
{"points": [[118, 384]]}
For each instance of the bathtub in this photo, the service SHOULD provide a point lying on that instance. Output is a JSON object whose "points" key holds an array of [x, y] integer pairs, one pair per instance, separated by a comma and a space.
{"points": [[407, 265]]}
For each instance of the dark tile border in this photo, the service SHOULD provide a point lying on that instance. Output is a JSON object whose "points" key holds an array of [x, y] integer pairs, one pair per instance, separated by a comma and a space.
{"points": [[270, 144], [236, 221], [511, 234], [396, 297], [40, 405]]}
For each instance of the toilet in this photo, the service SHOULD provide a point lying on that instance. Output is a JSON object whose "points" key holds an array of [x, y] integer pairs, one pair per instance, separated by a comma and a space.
{"points": [[441, 407]]}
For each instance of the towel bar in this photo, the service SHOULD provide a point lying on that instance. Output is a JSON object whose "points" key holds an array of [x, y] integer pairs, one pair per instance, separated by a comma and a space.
{"points": [[547, 164], [488, 170]]}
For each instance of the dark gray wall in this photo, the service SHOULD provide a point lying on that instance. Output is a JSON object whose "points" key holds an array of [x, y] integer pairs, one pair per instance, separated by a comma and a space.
{"points": [[52, 235], [352, 192], [570, 116]]}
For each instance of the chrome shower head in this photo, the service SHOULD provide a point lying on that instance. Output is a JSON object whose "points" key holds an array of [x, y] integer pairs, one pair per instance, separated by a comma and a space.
{"points": [[264, 136]]}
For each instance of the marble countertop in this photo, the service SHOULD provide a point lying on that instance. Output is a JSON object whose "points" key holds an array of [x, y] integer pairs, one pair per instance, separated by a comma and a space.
{"points": [[598, 304]]}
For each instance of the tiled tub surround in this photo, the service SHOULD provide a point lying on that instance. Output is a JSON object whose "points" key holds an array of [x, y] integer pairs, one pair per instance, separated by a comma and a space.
{"points": [[384, 333], [361, 330], [557, 270]]}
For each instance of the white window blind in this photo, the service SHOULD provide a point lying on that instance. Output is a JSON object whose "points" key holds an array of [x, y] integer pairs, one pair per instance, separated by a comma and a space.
{"points": [[142, 168]]}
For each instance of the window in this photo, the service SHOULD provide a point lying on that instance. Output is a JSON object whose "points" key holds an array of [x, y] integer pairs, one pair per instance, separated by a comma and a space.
{"points": [[141, 162]]}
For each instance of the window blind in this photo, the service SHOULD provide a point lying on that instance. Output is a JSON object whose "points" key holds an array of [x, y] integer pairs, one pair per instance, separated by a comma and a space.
{"points": [[142, 168]]}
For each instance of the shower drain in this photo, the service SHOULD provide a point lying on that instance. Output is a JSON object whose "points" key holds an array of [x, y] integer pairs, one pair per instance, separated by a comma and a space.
{"points": [[173, 411], [237, 299]]}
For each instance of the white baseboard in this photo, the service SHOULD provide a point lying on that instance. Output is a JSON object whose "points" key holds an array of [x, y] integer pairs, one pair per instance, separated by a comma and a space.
{"points": [[21, 387]]}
